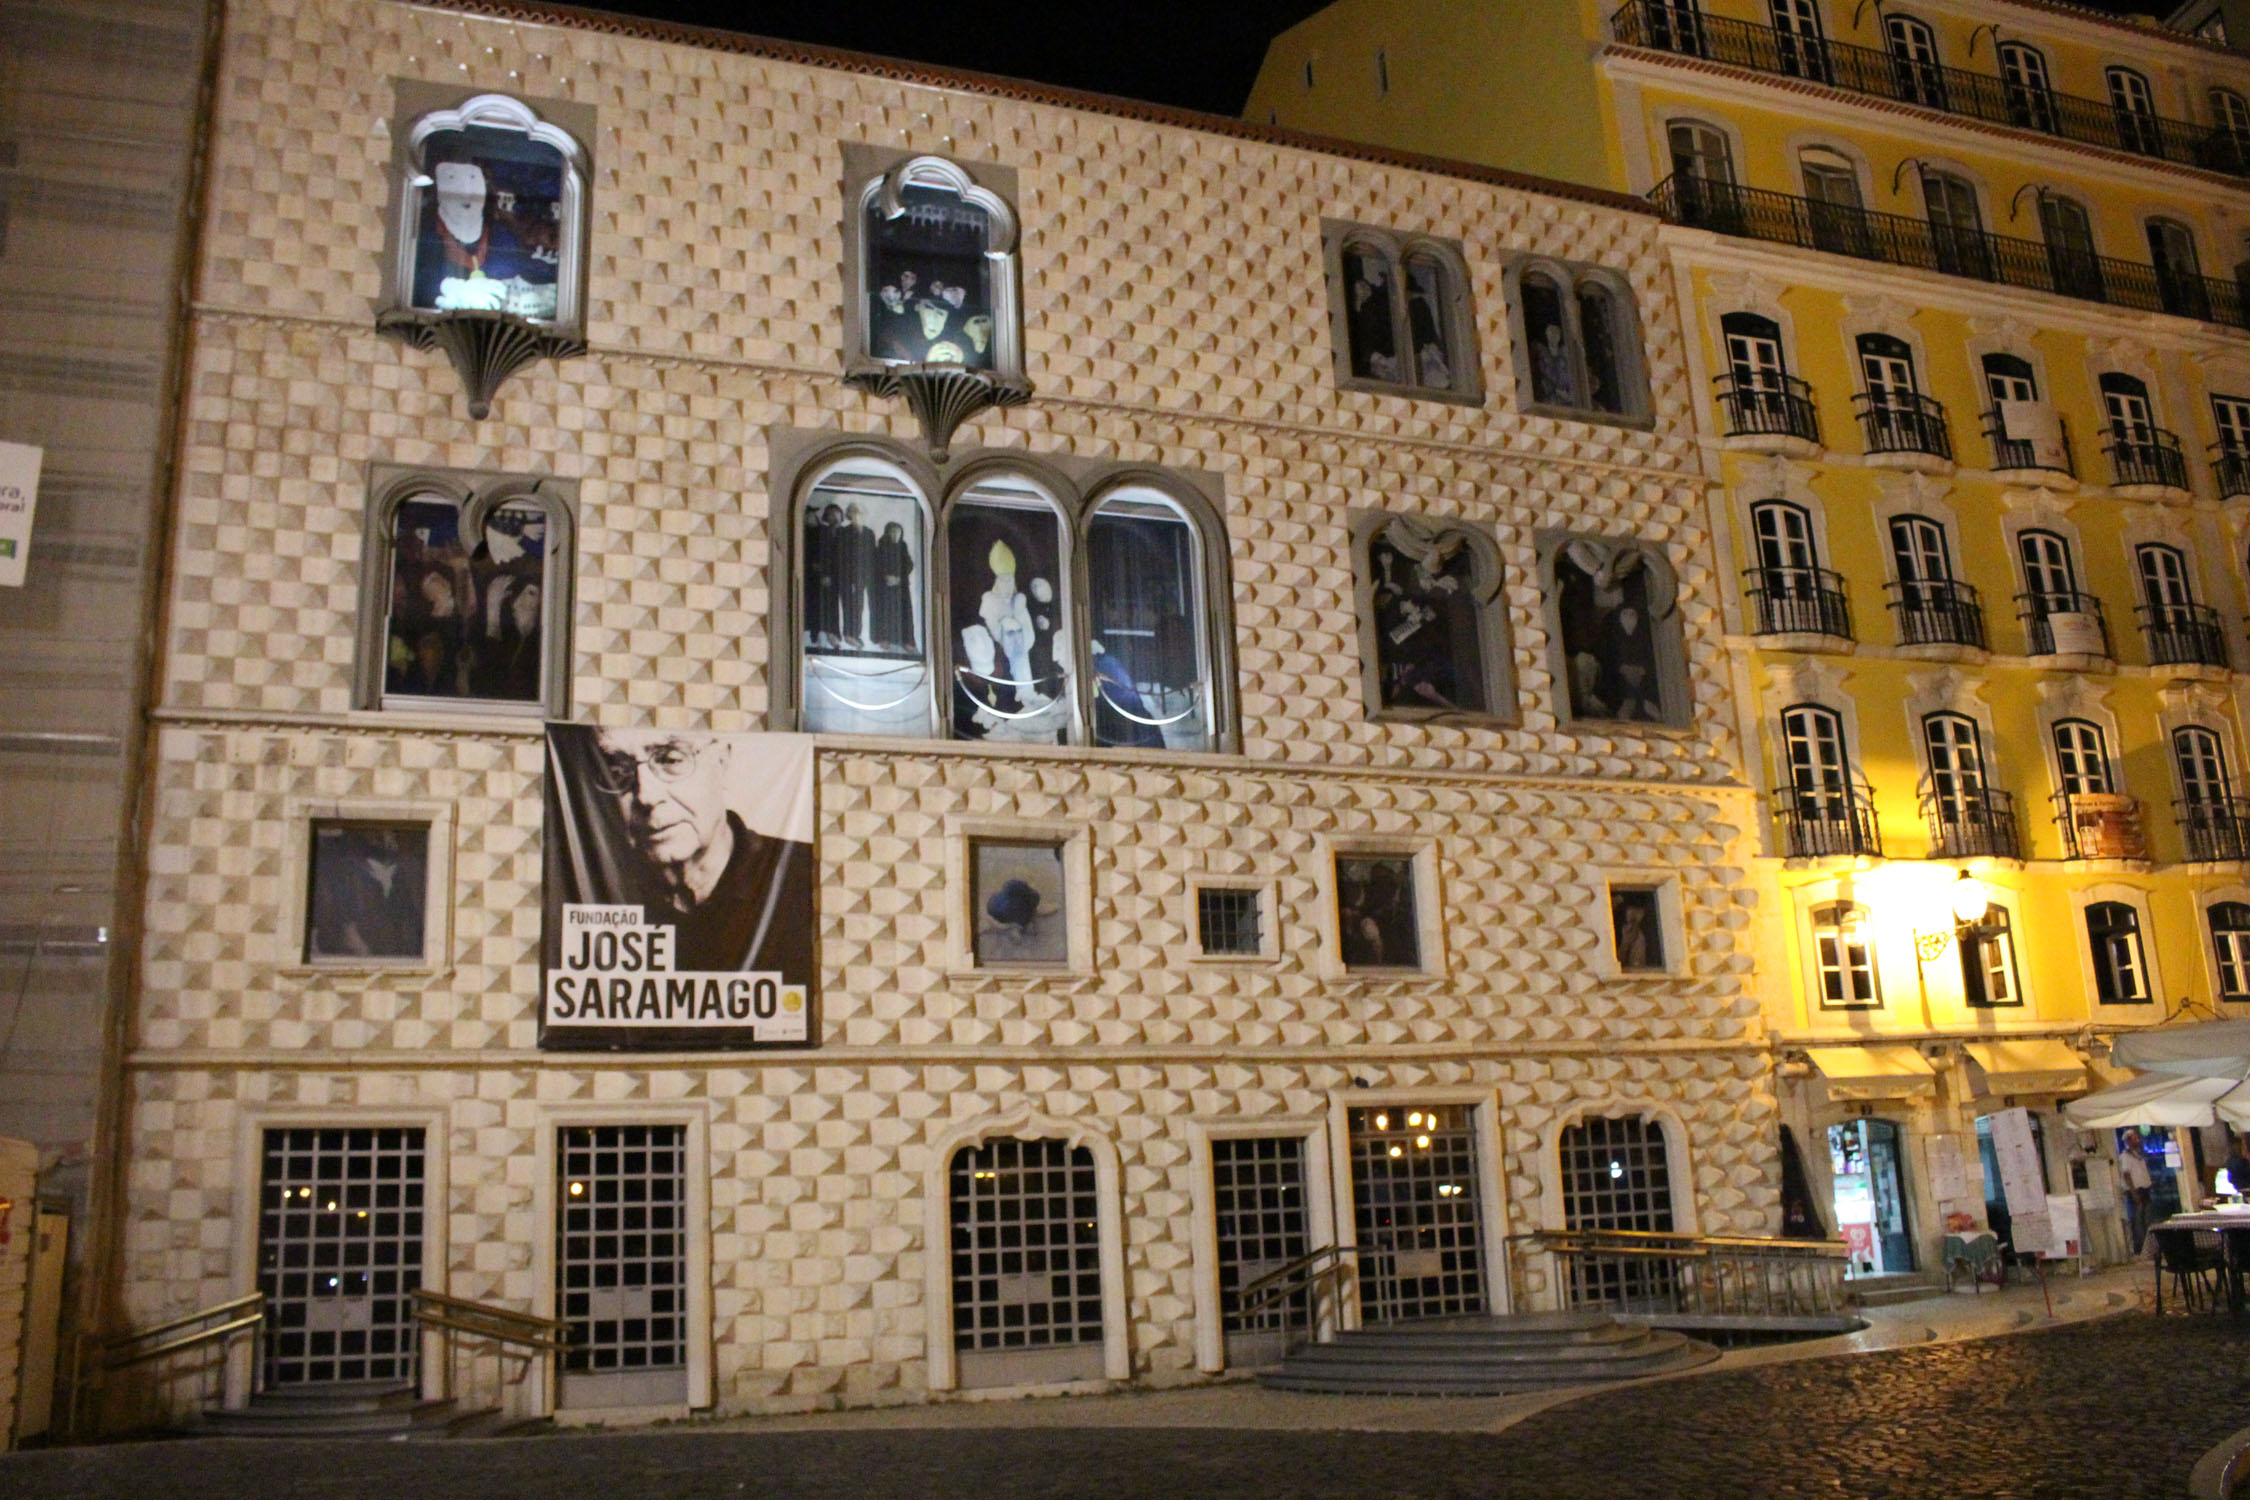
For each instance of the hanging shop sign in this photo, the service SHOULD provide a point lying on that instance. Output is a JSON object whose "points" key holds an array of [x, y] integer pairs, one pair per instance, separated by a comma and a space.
{"points": [[19, 494], [679, 881]]}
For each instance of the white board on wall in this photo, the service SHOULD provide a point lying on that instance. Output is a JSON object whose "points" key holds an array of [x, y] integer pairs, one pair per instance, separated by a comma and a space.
{"points": [[19, 492]]}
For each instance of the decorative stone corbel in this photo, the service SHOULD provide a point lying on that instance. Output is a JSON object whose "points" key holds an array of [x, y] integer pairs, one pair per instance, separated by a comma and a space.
{"points": [[485, 347], [941, 397]]}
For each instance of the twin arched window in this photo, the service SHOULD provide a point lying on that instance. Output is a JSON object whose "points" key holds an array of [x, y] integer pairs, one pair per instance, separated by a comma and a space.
{"points": [[1400, 313], [1009, 606], [1580, 352]]}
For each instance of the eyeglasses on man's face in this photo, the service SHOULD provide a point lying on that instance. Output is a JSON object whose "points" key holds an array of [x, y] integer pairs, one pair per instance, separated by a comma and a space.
{"points": [[619, 772]]}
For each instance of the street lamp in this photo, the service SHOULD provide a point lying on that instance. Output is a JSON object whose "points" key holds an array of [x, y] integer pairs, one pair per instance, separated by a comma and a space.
{"points": [[1970, 902]]}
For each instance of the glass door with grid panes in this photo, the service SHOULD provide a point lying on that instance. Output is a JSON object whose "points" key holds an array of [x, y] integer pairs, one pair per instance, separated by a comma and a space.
{"points": [[1797, 41], [1258, 1203], [1956, 756], [621, 1263], [1418, 1212], [1615, 1176], [2232, 415], [1923, 560], [340, 1254], [1027, 1263]]}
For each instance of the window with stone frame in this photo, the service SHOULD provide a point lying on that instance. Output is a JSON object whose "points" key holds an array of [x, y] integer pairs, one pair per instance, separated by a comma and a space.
{"points": [[932, 260], [1012, 602], [1434, 638], [465, 599], [1576, 336], [2113, 934], [1613, 624], [2230, 942], [1378, 912], [1400, 314], [1988, 961], [366, 892], [1636, 916]]}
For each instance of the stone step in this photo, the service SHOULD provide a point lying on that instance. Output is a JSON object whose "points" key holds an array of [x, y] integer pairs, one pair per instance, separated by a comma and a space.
{"points": [[1887, 1291], [1489, 1356], [329, 1411]]}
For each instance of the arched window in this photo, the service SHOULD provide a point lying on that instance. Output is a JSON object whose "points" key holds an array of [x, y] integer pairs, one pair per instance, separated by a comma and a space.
{"points": [[1675, 26], [1613, 614], [2179, 272], [1919, 77], [2179, 630], [981, 638], [1793, 594], [935, 256], [1400, 314], [2009, 377], [2202, 763], [2228, 148], [2113, 934], [2024, 77], [1823, 808], [492, 218], [2057, 616], [1954, 749], [1757, 393], [1894, 414], [2082, 759], [467, 599], [2071, 255], [1934, 608], [1844, 957], [1026, 1257], [2133, 108], [2131, 419], [1434, 631], [1703, 186], [1833, 201], [2230, 938], [1616, 1175], [1956, 224], [1578, 345], [2230, 112], [2216, 826], [1988, 961]]}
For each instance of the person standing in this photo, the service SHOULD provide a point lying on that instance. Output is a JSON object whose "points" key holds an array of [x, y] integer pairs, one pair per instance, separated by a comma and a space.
{"points": [[2132, 1177]]}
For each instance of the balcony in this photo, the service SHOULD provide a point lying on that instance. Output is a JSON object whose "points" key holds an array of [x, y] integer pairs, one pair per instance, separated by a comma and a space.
{"points": [[1904, 423], [1878, 74], [1834, 822], [1798, 602], [2217, 829], [1972, 825], [1941, 612], [2149, 459], [1771, 414], [2041, 458], [2063, 622], [1898, 240], [2231, 467], [2183, 635], [2100, 825]]}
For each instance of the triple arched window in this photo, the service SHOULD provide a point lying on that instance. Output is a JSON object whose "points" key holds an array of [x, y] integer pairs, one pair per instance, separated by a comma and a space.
{"points": [[1007, 603]]}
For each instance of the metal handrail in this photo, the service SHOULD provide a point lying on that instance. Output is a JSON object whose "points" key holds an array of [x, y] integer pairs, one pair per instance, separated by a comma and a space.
{"points": [[2036, 608], [2147, 455], [500, 1324], [1665, 1275], [2230, 466], [1287, 1279], [2015, 454], [216, 1310], [2215, 829], [1822, 821], [1971, 824], [2183, 635], [1938, 612], [1836, 1248], [1768, 406], [1793, 600], [217, 1333]]}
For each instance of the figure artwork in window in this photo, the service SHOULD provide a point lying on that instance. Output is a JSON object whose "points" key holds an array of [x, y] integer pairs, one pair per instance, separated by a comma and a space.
{"points": [[1425, 322], [1428, 648], [1609, 631], [1145, 609], [1554, 373], [367, 886], [1375, 921], [1367, 316], [929, 283], [1605, 390], [860, 573], [491, 233], [1007, 613], [463, 622]]}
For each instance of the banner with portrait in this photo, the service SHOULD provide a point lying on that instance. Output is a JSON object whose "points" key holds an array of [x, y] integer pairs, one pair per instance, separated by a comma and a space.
{"points": [[679, 890]]}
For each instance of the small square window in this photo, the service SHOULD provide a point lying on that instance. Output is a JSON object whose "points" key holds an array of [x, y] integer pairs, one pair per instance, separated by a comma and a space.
{"points": [[1020, 902], [1228, 923], [367, 892], [1377, 924], [1636, 916]]}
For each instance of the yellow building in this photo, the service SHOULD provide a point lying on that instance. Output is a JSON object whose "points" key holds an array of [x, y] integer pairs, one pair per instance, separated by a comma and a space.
{"points": [[1979, 417]]}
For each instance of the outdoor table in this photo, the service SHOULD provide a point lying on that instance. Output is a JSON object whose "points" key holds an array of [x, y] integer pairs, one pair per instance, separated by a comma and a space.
{"points": [[2233, 1228]]}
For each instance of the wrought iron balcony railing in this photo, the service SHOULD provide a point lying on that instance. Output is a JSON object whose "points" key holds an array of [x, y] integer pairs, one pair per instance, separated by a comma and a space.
{"points": [[1828, 820], [2100, 825], [2183, 635], [1772, 406], [2028, 454], [1972, 824], [2146, 455], [1941, 612], [1904, 422], [2063, 622], [2231, 467], [1799, 601], [1880, 74], [2217, 829], [1899, 240]]}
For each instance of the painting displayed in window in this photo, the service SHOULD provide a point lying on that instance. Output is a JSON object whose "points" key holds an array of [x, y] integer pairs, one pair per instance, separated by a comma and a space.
{"points": [[1019, 902], [1579, 353], [1367, 302], [1429, 642], [1144, 579], [1376, 923], [466, 618], [1399, 312], [929, 283], [1610, 597], [1011, 647], [491, 234], [863, 575], [1636, 916], [367, 891], [1554, 374]]}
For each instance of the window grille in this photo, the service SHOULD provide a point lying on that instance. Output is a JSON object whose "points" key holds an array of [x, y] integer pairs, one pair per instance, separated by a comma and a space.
{"points": [[340, 1254], [1615, 1176], [1227, 921], [1026, 1246], [1258, 1199], [1414, 1190], [621, 1247]]}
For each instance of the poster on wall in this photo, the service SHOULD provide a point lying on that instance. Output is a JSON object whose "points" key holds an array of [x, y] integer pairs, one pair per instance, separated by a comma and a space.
{"points": [[2022, 1184], [679, 890], [19, 494]]}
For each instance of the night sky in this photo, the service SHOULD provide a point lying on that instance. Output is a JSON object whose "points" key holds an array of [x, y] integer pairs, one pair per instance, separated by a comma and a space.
{"points": [[1196, 54]]}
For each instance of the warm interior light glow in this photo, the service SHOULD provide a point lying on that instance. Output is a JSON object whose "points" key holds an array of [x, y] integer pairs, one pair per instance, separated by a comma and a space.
{"points": [[1398, 1151], [1970, 899], [578, 1190], [1382, 1122], [1422, 1141]]}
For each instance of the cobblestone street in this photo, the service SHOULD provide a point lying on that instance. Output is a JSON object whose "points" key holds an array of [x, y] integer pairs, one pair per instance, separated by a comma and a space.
{"points": [[2042, 1416]]}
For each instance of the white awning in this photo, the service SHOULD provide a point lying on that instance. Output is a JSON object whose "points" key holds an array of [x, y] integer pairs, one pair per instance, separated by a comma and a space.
{"points": [[1895, 1072], [2029, 1066]]}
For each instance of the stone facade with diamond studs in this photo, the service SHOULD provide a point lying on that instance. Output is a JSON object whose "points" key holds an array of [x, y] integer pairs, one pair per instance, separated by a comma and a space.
{"points": [[1175, 316]]}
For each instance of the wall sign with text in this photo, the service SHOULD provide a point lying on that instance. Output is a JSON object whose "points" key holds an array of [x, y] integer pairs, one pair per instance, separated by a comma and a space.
{"points": [[19, 494]]}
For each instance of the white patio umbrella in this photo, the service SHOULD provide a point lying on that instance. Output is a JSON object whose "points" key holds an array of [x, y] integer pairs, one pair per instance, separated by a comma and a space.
{"points": [[2163, 1099], [2213, 1049]]}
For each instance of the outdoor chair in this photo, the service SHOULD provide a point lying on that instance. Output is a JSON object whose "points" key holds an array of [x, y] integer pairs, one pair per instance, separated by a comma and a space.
{"points": [[2194, 1259]]}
